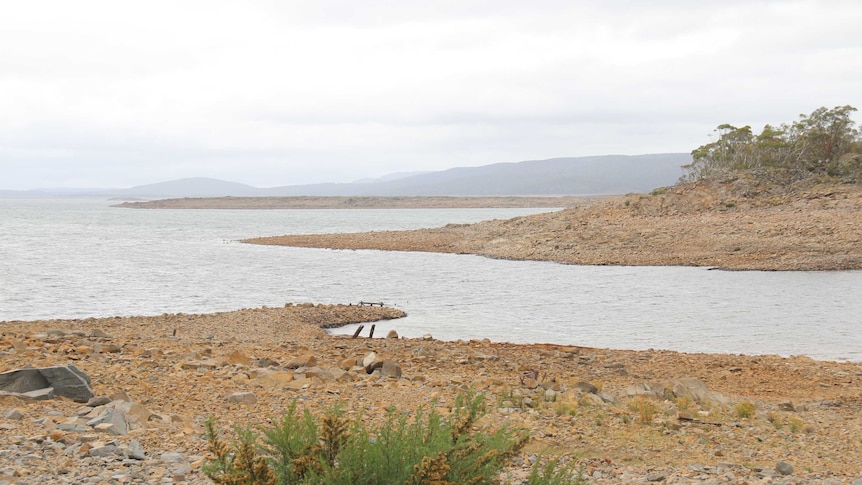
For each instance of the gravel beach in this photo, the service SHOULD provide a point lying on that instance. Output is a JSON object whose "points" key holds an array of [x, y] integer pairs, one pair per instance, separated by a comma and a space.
{"points": [[626, 416]]}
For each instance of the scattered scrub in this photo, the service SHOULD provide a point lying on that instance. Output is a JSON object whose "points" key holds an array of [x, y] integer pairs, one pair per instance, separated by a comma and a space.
{"points": [[565, 406], [555, 473], [794, 423]]}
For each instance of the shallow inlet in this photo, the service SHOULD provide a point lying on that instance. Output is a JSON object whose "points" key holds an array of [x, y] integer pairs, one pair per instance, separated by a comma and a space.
{"points": [[75, 259]]}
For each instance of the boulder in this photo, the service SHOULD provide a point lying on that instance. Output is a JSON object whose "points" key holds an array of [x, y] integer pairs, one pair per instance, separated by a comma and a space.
{"points": [[390, 369], [674, 388], [135, 415], [306, 360], [392, 334], [14, 414], [273, 379], [111, 421], [47, 382], [121, 396], [784, 468], [266, 362], [98, 401], [372, 362], [688, 387], [106, 450], [136, 451], [111, 348], [787, 406], [172, 457], [639, 389], [586, 388], [242, 398], [530, 383], [237, 357], [299, 384], [206, 364]]}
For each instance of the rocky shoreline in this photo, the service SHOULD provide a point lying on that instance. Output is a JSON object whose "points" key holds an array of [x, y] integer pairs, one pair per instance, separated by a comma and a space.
{"points": [[736, 225], [626, 416]]}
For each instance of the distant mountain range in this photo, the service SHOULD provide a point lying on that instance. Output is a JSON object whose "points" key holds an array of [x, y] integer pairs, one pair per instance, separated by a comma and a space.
{"points": [[609, 174]]}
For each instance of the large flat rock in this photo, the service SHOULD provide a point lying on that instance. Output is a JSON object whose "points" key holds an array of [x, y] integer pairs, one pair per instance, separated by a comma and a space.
{"points": [[47, 382]]}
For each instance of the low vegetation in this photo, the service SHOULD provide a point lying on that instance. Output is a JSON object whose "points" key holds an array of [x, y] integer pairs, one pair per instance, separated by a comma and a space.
{"points": [[424, 449]]}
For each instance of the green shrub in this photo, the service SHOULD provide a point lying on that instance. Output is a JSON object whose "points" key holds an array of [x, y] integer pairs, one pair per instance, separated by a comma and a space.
{"points": [[239, 464], [421, 449]]}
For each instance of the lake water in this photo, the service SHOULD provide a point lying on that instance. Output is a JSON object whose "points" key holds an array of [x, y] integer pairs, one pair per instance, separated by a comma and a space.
{"points": [[83, 258]]}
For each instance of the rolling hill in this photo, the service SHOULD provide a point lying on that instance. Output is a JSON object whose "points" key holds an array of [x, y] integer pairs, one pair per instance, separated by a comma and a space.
{"points": [[609, 174]]}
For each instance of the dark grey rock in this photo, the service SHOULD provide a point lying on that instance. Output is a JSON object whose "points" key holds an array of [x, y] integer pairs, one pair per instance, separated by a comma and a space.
{"points": [[23, 380], [38, 394], [66, 381]]}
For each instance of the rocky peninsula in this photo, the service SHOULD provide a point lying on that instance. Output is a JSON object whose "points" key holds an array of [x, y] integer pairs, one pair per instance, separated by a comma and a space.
{"points": [[627, 417], [364, 202], [737, 224]]}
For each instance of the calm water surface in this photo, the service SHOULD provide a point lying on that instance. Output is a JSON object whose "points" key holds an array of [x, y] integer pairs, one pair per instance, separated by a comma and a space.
{"points": [[82, 258]]}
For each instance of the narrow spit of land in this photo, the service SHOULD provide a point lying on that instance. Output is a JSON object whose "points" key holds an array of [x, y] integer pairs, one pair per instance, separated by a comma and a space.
{"points": [[395, 202], [626, 416], [736, 224]]}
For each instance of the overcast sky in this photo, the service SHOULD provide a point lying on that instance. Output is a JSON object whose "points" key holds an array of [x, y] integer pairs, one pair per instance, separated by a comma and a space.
{"points": [[269, 93]]}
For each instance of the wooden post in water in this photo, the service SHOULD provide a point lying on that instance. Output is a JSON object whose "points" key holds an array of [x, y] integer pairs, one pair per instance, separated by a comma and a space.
{"points": [[358, 331], [371, 334]]}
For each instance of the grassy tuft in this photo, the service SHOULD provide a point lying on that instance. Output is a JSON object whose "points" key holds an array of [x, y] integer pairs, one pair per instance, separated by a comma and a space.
{"points": [[744, 410], [644, 408]]}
